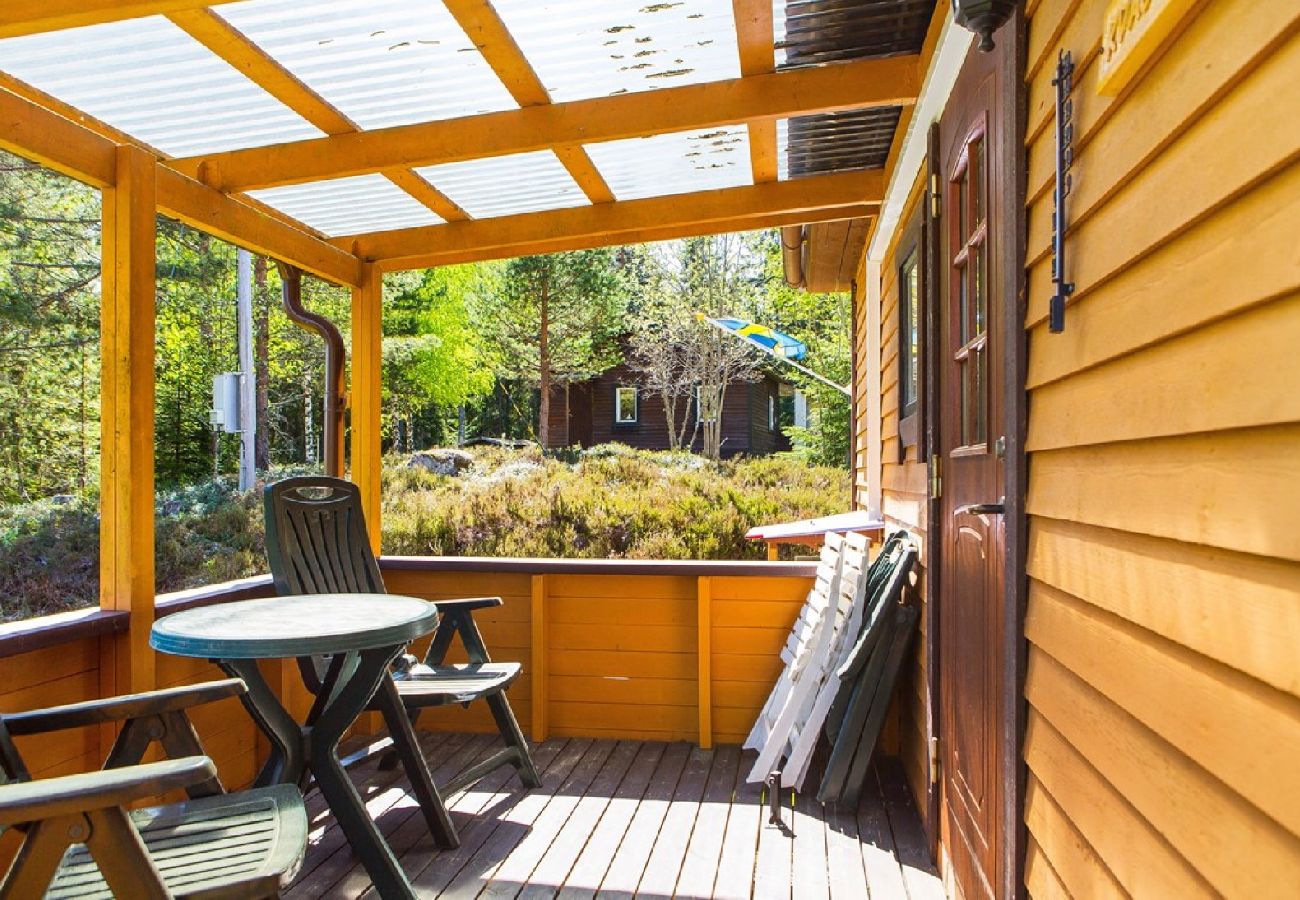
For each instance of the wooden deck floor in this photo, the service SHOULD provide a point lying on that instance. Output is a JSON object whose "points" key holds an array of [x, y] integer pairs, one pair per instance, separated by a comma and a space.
{"points": [[623, 819]]}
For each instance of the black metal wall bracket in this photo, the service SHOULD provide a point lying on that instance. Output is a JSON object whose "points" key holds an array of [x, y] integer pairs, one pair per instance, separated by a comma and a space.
{"points": [[1064, 160]]}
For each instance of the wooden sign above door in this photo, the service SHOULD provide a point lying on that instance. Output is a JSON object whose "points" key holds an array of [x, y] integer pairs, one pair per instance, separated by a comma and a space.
{"points": [[1132, 34]]}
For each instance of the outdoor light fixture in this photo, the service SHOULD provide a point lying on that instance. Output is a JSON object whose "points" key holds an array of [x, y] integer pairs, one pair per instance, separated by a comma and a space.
{"points": [[983, 17]]}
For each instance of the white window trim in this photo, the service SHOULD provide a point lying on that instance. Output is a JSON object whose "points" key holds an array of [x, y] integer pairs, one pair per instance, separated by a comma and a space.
{"points": [[618, 407]]}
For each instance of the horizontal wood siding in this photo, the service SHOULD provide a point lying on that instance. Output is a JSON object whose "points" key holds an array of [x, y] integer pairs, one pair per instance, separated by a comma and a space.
{"points": [[621, 651], [1164, 439]]}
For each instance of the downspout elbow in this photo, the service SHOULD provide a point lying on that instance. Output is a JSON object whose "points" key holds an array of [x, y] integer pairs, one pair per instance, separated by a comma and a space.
{"points": [[335, 386]]}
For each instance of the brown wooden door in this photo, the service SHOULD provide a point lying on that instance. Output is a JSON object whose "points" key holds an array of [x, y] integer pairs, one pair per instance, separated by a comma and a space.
{"points": [[973, 288]]}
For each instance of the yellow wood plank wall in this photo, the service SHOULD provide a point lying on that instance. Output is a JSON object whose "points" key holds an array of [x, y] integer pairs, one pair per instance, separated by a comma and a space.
{"points": [[621, 652], [1164, 440]]}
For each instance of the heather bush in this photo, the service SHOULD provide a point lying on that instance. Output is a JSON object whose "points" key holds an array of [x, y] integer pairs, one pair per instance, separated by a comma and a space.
{"points": [[607, 502]]}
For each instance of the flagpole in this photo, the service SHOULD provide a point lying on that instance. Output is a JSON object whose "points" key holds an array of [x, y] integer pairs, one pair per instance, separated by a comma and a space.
{"points": [[772, 353]]}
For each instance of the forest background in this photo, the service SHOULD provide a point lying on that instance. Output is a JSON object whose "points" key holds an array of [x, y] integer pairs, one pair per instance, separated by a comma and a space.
{"points": [[461, 356]]}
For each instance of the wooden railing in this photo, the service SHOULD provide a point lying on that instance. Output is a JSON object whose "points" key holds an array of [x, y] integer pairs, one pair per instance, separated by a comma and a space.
{"points": [[622, 649]]}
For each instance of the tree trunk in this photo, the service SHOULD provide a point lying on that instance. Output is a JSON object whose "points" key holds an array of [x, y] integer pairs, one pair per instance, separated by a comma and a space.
{"points": [[261, 364], [544, 369]]}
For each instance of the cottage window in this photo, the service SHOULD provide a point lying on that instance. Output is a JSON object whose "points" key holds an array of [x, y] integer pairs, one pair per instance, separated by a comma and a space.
{"points": [[625, 406], [771, 412], [911, 328]]}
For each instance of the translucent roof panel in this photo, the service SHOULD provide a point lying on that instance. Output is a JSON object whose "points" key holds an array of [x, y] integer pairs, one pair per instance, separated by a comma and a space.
{"points": [[507, 185], [782, 149], [583, 49], [380, 62], [677, 163], [151, 80], [353, 205]]}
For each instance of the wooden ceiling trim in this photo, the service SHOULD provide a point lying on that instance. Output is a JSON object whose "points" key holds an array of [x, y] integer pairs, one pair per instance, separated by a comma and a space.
{"points": [[893, 81], [493, 39], [236, 49], [837, 196], [19, 17], [756, 41]]}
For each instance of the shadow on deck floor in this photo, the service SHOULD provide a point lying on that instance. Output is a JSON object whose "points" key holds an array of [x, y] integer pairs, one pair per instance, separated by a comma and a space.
{"points": [[623, 819]]}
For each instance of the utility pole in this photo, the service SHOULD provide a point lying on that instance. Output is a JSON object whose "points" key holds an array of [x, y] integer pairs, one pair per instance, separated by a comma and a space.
{"points": [[248, 379]]}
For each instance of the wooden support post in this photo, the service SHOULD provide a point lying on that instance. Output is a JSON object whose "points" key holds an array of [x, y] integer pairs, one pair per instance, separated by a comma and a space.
{"points": [[538, 620], [126, 530], [367, 337], [704, 651], [773, 551]]}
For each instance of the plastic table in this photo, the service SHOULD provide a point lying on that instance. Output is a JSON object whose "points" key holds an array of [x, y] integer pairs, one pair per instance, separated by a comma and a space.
{"points": [[361, 634]]}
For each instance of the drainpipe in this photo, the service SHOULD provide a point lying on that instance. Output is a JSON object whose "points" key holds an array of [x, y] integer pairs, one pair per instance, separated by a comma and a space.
{"points": [[335, 391], [792, 254]]}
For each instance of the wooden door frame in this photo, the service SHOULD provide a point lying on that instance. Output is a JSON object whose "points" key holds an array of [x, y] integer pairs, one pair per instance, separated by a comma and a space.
{"points": [[1013, 96]]}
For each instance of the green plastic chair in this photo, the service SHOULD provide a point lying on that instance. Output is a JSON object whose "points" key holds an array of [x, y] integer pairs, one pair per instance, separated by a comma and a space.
{"points": [[316, 542]]}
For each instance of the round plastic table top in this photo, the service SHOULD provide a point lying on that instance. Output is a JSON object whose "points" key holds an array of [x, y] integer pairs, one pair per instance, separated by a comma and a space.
{"points": [[283, 627]]}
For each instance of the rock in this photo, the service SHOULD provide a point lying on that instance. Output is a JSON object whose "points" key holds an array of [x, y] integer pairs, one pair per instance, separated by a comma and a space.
{"points": [[171, 508], [62, 499], [441, 462]]}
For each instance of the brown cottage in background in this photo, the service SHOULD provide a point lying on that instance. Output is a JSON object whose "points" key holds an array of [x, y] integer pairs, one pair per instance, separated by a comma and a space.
{"points": [[612, 407]]}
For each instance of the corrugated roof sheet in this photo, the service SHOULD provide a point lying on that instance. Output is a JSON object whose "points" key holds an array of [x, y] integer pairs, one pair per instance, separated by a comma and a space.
{"points": [[582, 49], [677, 163], [353, 205], [379, 62], [151, 80], [507, 185]]}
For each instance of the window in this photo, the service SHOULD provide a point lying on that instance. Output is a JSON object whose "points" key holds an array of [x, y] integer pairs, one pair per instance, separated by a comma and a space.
{"points": [[625, 406], [969, 289], [771, 412], [911, 328], [707, 400]]}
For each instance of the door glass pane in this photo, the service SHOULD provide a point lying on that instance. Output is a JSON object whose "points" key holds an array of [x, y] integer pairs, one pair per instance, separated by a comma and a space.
{"points": [[979, 402], [963, 228], [963, 307], [977, 179], [964, 391], [980, 286]]}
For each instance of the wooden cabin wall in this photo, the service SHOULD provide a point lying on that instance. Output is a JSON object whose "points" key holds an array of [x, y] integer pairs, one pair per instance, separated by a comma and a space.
{"points": [[1164, 439], [903, 505]]}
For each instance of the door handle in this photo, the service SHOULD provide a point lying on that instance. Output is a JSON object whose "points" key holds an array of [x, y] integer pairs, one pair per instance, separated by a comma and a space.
{"points": [[981, 509]]}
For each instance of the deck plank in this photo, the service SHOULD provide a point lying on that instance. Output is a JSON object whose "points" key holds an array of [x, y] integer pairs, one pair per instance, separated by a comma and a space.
{"points": [[512, 824], [380, 790], [512, 874], [410, 840], [628, 864], [810, 872], [626, 818], [665, 862], [555, 866], [740, 844], [700, 868], [593, 861], [876, 840]]}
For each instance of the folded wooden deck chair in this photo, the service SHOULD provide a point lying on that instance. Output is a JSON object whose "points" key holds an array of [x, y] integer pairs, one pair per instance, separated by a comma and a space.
{"points": [[864, 683], [316, 543], [808, 652], [80, 840]]}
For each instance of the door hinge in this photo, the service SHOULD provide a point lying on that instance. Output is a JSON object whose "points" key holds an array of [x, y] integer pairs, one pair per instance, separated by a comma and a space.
{"points": [[936, 479], [935, 203], [934, 760]]}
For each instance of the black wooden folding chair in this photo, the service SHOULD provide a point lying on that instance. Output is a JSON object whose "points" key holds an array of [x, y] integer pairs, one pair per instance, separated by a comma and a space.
{"points": [[81, 839], [317, 543]]}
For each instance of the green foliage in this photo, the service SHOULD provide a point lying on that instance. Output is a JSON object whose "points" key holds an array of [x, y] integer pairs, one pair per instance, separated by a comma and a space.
{"points": [[433, 356], [600, 506]]}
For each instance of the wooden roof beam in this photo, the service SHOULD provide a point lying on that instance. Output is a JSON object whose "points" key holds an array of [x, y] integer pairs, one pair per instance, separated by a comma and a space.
{"points": [[816, 198], [18, 17], [231, 45], [852, 85], [484, 27], [757, 44]]}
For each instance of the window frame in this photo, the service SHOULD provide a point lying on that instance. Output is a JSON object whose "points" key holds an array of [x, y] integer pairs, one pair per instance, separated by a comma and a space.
{"points": [[636, 405], [911, 409]]}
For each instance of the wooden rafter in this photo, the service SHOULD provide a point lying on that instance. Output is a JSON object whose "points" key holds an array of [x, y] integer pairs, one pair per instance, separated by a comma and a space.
{"points": [[231, 45], [38, 134], [754, 37], [817, 198], [18, 17], [831, 88], [484, 27]]}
